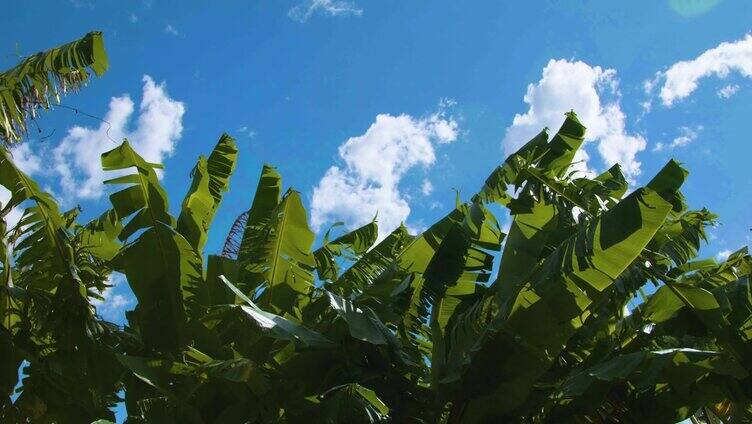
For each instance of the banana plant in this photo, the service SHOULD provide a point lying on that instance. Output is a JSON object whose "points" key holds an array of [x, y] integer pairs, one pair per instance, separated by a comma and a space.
{"points": [[416, 328]]}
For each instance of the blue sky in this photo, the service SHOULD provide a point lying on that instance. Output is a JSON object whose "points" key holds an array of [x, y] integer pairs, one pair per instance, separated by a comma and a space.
{"points": [[389, 105]]}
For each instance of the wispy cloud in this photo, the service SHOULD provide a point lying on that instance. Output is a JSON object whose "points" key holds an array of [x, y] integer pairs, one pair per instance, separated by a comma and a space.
{"points": [[686, 136], [303, 11], [246, 131], [169, 29], [727, 91], [681, 79], [133, 18], [593, 92], [374, 164]]}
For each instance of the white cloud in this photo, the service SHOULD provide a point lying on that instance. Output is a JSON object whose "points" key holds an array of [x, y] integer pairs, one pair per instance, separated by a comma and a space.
{"points": [[681, 79], [76, 160], [426, 188], [723, 255], [25, 159], [374, 164], [171, 30], [727, 91], [568, 85], [113, 305], [133, 18], [686, 136], [303, 11]]}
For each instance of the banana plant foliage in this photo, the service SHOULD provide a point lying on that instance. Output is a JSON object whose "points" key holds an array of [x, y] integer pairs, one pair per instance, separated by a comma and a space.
{"points": [[461, 323], [39, 80]]}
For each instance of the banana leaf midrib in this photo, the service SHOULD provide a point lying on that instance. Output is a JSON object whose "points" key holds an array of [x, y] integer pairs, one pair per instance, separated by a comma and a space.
{"points": [[277, 248]]}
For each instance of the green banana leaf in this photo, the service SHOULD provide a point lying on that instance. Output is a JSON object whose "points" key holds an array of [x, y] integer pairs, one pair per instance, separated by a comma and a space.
{"points": [[211, 178]]}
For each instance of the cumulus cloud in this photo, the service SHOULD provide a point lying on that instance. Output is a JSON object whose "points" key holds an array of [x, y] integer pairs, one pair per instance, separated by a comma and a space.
{"points": [[76, 160], [303, 11], [686, 136], [681, 78], [374, 163], [592, 92], [727, 91]]}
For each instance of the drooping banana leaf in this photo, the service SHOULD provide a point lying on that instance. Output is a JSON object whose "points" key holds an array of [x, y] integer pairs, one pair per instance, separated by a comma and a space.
{"points": [[48, 313], [416, 256], [606, 189], [351, 246], [40, 79], [680, 238], [542, 213], [363, 272], [162, 268], [60, 326], [718, 297], [273, 325], [462, 261], [211, 177], [497, 185], [352, 403], [552, 158], [658, 262], [561, 149], [532, 327], [144, 198], [363, 324], [44, 248], [481, 237], [659, 386]]}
